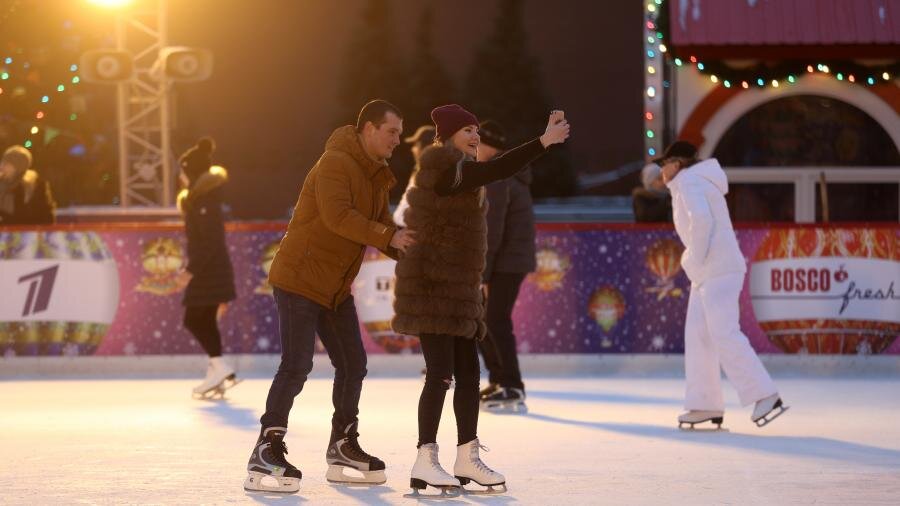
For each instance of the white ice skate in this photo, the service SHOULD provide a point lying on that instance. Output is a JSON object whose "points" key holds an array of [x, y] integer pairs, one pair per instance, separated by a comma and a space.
{"points": [[428, 471], [767, 409], [219, 378], [469, 467], [694, 416]]}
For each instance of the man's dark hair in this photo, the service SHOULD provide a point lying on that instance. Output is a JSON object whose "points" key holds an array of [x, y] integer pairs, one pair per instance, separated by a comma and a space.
{"points": [[375, 112]]}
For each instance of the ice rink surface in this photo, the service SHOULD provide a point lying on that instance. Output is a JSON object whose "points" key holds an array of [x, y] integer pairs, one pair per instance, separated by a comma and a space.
{"points": [[584, 441]]}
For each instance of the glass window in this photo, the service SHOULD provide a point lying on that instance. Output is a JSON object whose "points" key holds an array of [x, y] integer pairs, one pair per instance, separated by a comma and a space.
{"points": [[805, 131], [761, 201], [860, 202]]}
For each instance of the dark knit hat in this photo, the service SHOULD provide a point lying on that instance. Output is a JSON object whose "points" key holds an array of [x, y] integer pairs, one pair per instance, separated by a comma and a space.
{"points": [[449, 119], [493, 134], [19, 157], [678, 149], [424, 136], [198, 159]]}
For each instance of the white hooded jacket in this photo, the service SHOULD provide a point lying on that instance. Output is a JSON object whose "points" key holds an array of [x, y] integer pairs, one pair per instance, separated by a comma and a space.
{"points": [[703, 224]]}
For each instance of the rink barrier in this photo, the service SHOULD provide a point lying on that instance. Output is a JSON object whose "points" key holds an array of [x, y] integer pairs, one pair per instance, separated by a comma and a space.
{"points": [[384, 365], [94, 289]]}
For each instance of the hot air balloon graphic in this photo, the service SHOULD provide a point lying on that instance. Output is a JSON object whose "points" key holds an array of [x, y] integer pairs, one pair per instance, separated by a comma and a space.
{"points": [[664, 261], [551, 269], [606, 307], [162, 259], [828, 290]]}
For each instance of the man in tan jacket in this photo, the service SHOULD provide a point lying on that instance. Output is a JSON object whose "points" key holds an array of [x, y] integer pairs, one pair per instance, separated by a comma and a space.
{"points": [[342, 209]]}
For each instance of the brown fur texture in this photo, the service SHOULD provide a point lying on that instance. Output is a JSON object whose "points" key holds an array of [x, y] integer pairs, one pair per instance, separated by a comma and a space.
{"points": [[438, 289]]}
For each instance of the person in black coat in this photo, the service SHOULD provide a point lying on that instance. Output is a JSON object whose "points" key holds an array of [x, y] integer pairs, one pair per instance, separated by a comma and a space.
{"points": [[510, 257], [209, 277], [25, 197]]}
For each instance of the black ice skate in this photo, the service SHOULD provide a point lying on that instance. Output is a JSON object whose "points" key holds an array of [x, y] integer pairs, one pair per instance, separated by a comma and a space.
{"points": [[687, 421], [488, 390], [345, 455], [268, 470], [767, 410], [510, 400]]}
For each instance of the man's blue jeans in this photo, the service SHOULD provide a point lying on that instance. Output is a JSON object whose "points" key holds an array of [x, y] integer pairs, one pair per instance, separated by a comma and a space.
{"points": [[299, 319]]}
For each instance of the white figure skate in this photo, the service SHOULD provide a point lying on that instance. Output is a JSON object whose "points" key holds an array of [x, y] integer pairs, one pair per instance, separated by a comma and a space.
{"points": [[767, 410], [219, 377], [427, 471], [469, 467], [693, 417]]}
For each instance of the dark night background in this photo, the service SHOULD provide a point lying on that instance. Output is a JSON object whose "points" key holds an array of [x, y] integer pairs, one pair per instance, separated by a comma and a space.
{"points": [[280, 84]]}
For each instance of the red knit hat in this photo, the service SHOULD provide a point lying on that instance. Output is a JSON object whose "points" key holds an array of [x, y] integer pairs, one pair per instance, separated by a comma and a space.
{"points": [[449, 119]]}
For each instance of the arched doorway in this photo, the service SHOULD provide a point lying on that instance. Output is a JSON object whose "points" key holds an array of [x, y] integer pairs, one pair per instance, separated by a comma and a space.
{"points": [[807, 135]]}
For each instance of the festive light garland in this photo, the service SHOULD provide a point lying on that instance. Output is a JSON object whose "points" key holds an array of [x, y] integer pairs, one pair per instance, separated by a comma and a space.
{"points": [[658, 47], [39, 115], [761, 75]]}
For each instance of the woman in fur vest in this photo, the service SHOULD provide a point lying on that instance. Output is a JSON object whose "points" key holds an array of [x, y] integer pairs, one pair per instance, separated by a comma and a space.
{"points": [[208, 276], [438, 289]]}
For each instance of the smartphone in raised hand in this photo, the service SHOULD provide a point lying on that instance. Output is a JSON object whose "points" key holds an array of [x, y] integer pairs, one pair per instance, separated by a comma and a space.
{"points": [[557, 117]]}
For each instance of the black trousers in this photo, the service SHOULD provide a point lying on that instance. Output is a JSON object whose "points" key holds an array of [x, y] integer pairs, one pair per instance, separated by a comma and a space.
{"points": [[499, 349], [448, 357], [201, 322]]}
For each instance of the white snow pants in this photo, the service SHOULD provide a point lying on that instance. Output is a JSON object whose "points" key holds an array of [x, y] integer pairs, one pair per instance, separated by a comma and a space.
{"points": [[713, 339]]}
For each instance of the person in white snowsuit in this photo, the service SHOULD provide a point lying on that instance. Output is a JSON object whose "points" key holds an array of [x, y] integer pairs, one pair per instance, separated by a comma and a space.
{"points": [[715, 266]]}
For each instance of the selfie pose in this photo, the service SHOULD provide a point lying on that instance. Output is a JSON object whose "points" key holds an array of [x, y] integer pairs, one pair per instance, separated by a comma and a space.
{"points": [[438, 290]]}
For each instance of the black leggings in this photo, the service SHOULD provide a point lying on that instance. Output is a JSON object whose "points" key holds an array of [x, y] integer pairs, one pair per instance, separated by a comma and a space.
{"points": [[446, 357], [201, 321]]}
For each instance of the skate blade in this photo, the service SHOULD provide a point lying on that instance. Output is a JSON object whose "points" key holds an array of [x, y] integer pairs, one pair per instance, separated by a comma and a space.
{"points": [[771, 415], [447, 492], [691, 426], [517, 407], [338, 475], [490, 490], [230, 382], [259, 482]]}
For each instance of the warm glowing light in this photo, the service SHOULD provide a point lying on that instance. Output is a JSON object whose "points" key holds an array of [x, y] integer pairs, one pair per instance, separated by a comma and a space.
{"points": [[113, 4], [34, 130], [714, 79], [649, 116], [744, 85], [663, 48], [651, 91], [885, 76], [39, 115], [774, 83], [693, 59], [651, 70], [851, 78]]}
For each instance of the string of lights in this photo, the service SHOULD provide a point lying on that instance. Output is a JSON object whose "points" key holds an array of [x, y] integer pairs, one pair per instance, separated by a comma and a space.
{"points": [[659, 49]]}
